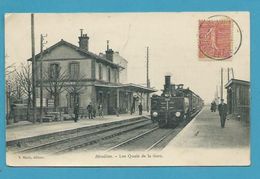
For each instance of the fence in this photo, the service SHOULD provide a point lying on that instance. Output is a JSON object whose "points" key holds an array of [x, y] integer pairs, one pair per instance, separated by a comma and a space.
{"points": [[22, 113]]}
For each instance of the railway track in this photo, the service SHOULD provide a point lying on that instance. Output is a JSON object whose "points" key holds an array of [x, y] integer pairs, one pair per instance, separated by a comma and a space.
{"points": [[153, 139], [126, 142], [84, 138], [101, 137], [144, 141], [136, 135], [159, 142]]}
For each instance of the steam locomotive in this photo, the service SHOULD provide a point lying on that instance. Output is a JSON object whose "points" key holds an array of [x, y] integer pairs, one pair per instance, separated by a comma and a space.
{"points": [[174, 105]]}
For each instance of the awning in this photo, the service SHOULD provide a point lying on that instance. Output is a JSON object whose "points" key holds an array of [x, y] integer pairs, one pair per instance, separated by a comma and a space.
{"points": [[139, 88], [131, 87], [108, 85]]}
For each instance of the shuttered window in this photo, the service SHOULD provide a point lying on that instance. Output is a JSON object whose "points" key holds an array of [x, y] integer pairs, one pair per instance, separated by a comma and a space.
{"points": [[54, 71], [74, 70]]}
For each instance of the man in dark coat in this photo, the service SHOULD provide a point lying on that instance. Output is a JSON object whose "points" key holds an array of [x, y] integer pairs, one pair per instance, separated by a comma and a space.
{"points": [[222, 109], [76, 112], [140, 107], [90, 111]]}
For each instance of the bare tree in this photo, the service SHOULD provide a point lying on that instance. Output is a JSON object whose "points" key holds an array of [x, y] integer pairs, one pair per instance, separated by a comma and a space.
{"points": [[18, 90], [54, 80], [14, 92], [9, 90], [75, 87], [9, 69], [24, 80]]}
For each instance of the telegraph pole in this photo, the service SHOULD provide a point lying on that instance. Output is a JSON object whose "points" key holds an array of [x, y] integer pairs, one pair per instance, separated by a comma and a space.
{"points": [[41, 76], [232, 73], [221, 88], [216, 94], [147, 77], [228, 75], [33, 70]]}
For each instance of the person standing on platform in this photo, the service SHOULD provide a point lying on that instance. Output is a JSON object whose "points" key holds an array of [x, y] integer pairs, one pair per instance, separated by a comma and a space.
{"points": [[213, 106], [76, 112], [140, 107], [94, 111], [100, 110], [90, 111], [133, 106], [222, 109], [132, 110]]}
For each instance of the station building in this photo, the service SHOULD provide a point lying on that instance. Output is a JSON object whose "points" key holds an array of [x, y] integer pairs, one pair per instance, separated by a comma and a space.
{"points": [[238, 99], [80, 77]]}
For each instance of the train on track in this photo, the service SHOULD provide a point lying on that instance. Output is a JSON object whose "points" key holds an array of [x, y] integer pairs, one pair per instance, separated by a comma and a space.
{"points": [[174, 105]]}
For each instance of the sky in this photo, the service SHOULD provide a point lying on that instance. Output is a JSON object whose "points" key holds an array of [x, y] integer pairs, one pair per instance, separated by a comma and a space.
{"points": [[172, 39]]}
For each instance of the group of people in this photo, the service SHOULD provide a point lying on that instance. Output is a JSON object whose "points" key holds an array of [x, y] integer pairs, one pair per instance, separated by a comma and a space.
{"points": [[91, 110], [140, 109], [222, 109], [213, 106]]}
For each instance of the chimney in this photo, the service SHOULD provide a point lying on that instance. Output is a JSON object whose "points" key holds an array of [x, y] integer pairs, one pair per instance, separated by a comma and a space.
{"points": [[109, 52], [83, 40]]}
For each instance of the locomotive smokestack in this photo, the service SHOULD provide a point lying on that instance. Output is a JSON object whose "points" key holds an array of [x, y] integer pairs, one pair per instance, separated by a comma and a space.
{"points": [[167, 85], [167, 80]]}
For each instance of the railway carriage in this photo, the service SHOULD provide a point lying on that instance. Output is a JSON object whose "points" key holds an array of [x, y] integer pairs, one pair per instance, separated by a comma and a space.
{"points": [[174, 105]]}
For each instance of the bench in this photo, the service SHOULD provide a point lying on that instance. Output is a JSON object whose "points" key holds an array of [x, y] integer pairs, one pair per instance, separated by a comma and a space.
{"points": [[52, 116]]}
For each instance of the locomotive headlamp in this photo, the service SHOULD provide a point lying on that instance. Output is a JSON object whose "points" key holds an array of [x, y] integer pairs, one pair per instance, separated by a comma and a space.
{"points": [[178, 114], [155, 114]]}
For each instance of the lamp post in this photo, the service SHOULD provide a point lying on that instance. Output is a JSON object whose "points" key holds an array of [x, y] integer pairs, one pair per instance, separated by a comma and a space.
{"points": [[147, 78]]}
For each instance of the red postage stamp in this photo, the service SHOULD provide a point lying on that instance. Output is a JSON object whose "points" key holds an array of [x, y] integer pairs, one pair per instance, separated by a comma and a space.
{"points": [[215, 39]]}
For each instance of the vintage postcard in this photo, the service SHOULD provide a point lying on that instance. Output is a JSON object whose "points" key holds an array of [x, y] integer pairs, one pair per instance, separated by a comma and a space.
{"points": [[127, 89]]}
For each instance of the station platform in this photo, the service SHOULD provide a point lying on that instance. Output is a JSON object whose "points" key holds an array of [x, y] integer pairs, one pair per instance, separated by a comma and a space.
{"points": [[27, 130], [204, 142]]}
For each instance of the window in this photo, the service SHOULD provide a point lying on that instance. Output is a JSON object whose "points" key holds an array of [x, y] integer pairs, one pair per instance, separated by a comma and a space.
{"points": [[109, 74], [115, 76], [100, 74], [100, 97], [54, 71], [74, 70], [238, 95]]}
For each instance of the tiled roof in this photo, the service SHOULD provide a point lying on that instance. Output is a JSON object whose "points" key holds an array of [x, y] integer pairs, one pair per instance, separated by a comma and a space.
{"points": [[84, 52]]}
